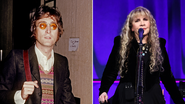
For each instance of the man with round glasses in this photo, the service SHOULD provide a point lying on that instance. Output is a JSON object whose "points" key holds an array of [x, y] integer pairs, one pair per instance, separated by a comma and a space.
{"points": [[49, 71]]}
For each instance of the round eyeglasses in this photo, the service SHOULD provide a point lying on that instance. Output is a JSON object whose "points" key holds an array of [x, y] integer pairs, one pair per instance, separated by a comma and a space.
{"points": [[43, 26]]}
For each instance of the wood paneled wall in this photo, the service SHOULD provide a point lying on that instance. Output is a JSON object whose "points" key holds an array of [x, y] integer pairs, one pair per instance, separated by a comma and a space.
{"points": [[77, 20]]}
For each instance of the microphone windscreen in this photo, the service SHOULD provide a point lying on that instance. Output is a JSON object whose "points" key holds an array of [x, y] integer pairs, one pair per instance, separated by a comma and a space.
{"points": [[140, 31]]}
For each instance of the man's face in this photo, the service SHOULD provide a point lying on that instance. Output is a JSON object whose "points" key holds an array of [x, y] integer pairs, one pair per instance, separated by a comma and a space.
{"points": [[46, 32]]}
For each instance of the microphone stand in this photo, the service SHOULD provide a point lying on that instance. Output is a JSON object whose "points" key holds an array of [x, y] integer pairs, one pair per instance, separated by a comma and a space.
{"points": [[140, 86]]}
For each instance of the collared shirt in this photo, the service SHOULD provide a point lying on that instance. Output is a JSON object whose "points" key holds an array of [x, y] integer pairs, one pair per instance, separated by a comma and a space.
{"points": [[43, 61]]}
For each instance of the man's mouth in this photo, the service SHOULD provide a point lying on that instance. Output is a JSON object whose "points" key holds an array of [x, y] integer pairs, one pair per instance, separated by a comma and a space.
{"points": [[47, 37]]}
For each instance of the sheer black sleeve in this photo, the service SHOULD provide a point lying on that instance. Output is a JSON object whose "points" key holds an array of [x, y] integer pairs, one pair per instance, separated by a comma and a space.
{"points": [[167, 77], [111, 70]]}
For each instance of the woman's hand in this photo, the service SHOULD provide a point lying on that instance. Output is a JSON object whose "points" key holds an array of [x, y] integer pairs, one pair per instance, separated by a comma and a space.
{"points": [[103, 97]]}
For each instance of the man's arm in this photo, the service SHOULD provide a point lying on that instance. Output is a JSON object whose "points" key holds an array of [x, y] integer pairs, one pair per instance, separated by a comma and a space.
{"points": [[7, 77], [17, 98], [68, 97], [10, 77]]}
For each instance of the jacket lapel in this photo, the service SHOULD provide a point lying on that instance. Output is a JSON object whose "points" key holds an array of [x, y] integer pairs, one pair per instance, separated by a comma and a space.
{"points": [[55, 87], [34, 67], [36, 96]]}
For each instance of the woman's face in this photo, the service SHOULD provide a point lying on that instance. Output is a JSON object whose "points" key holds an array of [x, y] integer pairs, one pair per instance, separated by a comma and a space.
{"points": [[141, 21]]}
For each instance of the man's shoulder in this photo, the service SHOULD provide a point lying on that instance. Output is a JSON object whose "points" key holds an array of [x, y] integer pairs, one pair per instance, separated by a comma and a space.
{"points": [[60, 60], [16, 52], [59, 56]]}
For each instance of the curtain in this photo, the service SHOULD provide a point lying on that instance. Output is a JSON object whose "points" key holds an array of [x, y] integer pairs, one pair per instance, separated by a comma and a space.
{"points": [[110, 15]]}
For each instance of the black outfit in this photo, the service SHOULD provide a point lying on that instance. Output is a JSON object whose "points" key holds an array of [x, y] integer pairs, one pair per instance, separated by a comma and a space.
{"points": [[13, 77], [152, 90]]}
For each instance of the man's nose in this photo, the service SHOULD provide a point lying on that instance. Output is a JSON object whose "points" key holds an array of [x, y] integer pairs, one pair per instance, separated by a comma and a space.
{"points": [[48, 29]]}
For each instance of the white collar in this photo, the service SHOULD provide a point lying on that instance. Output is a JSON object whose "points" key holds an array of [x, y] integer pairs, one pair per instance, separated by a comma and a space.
{"points": [[43, 61]]}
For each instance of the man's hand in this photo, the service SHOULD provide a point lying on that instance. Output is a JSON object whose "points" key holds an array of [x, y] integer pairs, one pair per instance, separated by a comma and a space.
{"points": [[28, 88]]}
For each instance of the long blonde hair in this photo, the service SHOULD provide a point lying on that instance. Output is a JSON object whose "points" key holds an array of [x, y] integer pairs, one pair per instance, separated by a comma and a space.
{"points": [[156, 58]]}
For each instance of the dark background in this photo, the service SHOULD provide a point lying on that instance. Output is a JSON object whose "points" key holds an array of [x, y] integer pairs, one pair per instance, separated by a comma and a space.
{"points": [[15, 24]]}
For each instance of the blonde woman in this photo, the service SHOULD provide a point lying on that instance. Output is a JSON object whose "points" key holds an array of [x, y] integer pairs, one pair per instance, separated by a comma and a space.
{"points": [[123, 61]]}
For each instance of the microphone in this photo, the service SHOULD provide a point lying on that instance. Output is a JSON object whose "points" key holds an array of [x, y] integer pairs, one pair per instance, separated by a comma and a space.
{"points": [[140, 31], [140, 86]]}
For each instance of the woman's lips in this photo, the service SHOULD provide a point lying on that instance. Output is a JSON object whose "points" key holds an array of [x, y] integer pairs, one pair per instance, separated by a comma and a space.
{"points": [[144, 28]]}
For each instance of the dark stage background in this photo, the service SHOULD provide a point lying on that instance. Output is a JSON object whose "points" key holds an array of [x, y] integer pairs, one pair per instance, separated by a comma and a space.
{"points": [[108, 19]]}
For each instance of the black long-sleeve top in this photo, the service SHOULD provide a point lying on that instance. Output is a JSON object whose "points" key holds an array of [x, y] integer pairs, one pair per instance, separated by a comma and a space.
{"points": [[151, 80]]}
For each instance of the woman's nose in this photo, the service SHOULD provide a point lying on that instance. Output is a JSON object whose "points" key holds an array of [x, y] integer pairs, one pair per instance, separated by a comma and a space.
{"points": [[142, 23]]}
